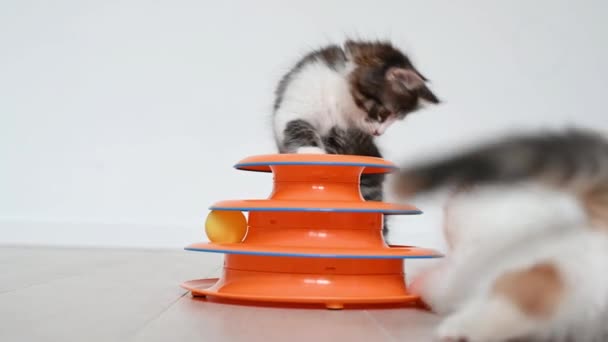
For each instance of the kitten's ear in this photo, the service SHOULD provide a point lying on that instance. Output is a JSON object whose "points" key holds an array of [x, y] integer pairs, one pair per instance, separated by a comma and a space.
{"points": [[407, 79], [404, 78], [426, 94]]}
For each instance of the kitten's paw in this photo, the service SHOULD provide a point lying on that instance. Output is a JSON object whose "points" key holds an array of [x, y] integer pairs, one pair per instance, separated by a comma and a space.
{"points": [[453, 339], [491, 319], [310, 150], [452, 333], [462, 327], [459, 328]]}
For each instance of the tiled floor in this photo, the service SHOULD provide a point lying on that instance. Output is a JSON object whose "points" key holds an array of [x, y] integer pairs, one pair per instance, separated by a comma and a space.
{"points": [[52, 294]]}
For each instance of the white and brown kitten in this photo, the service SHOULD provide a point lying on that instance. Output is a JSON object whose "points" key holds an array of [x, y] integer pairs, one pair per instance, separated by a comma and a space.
{"points": [[527, 229], [337, 99]]}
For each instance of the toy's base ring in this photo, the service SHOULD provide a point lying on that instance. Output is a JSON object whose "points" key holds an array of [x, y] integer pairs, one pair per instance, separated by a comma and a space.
{"points": [[212, 289], [333, 283]]}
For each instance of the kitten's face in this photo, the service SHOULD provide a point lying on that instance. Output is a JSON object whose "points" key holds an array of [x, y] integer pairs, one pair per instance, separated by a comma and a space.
{"points": [[385, 85]]}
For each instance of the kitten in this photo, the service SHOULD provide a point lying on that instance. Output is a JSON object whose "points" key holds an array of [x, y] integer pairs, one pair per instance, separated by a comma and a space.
{"points": [[337, 99], [527, 233]]}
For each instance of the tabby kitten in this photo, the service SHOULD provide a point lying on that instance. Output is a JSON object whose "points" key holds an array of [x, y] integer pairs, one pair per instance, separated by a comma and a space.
{"points": [[337, 99]]}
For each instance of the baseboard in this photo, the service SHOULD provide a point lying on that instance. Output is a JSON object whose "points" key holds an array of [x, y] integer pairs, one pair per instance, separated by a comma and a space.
{"points": [[67, 234]]}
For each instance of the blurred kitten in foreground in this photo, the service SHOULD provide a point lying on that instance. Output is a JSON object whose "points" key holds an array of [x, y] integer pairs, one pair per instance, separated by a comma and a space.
{"points": [[527, 231]]}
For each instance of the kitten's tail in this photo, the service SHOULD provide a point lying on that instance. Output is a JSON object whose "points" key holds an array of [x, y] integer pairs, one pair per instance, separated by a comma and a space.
{"points": [[575, 161]]}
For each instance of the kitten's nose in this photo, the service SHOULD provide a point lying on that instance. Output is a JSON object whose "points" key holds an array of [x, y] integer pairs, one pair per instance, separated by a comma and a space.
{"points": [[377, 133]]}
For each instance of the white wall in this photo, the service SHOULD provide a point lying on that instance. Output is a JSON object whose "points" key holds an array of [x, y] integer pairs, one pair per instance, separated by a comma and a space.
{"points": [[120, 120]]}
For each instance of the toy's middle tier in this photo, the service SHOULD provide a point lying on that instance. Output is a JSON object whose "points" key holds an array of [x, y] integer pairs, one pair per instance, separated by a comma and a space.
{"points": [[319, 235], [323, 230]]}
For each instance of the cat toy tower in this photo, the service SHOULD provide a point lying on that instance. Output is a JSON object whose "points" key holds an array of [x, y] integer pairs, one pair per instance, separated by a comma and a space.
{"points": [[315, 240]]}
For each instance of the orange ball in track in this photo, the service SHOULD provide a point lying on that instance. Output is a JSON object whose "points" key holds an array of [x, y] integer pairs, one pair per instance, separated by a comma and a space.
{"points": [[224, 226]]}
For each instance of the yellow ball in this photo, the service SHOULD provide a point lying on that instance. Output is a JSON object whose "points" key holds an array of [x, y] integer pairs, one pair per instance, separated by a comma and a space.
{"points": [[224, 226]]}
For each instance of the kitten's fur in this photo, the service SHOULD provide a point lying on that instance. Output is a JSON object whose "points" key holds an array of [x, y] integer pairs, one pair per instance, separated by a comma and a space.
{"points": [[336, 99], [527, 229]]}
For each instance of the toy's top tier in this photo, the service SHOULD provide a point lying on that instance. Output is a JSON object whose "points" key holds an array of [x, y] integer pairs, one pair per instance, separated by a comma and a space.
{"points": [[316, 177], [360, 164], [316, 183]]}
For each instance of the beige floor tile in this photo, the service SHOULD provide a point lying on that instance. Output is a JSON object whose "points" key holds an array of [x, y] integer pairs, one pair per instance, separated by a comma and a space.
{"points": [[101, 303], [192, 319], [406, 325]]}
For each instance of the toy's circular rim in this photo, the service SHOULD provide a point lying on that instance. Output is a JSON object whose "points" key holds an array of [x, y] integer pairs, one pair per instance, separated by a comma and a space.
{"points": [[325, 255], [247, 166], [325, 210]]}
